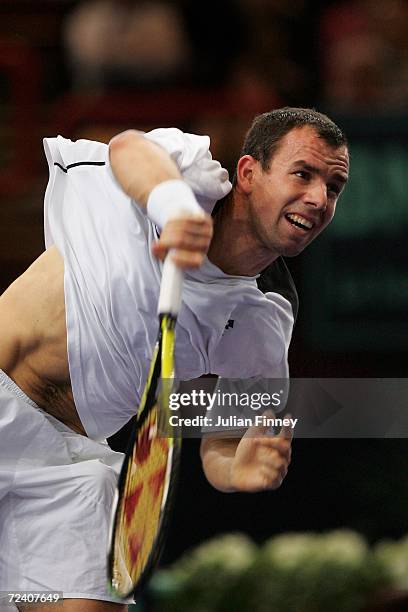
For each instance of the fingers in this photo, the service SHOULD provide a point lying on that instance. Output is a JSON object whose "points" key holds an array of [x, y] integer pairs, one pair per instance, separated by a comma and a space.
{"points": [[279, 444], [273, 469], [263, 479], [194, 227], [272, 479], [274, 454], [187, 259], [265, 464], [263, 430], [182, 259], [287, 431], [266, 478], [275, 457], [276, 445], [188, 237], [259, 431], [261, 460]]}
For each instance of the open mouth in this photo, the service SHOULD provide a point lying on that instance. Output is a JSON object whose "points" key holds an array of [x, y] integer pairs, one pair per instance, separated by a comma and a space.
{"points": [[299, 221]]}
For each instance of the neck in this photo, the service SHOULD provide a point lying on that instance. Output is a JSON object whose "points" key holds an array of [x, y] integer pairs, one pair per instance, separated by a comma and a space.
{"points": [[235, 248]]}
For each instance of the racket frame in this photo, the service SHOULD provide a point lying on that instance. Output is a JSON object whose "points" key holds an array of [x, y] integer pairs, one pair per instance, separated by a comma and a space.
{"points": [[161, 367]]}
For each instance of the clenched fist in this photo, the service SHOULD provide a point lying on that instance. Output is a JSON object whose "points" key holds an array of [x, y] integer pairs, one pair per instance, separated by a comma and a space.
{"points": [[189, 237], [261, 460], [257, 462]]}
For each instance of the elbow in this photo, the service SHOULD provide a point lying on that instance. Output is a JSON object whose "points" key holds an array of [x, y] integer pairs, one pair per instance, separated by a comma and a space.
{"points": [[124, 140]]}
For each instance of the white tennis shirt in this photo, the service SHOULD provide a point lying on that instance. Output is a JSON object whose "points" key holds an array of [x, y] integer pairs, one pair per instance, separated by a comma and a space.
{"points": [[112, 285]]}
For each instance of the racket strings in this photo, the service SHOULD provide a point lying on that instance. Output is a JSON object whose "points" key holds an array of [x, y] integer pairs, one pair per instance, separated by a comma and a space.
{"points": [[147, 476]]}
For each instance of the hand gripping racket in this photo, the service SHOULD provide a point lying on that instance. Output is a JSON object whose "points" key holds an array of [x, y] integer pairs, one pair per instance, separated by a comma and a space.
{"points": [[147, 479]]}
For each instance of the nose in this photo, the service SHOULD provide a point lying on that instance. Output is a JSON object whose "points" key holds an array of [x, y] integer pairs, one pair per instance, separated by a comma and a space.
{"points": [[316, 195]]}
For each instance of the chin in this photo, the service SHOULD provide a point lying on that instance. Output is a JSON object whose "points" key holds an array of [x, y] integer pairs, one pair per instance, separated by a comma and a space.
{"points": [[292, 251], [292, 248]]}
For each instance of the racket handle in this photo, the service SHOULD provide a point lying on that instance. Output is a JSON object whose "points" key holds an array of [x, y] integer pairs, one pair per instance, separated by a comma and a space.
{"points": [[171, 288]]}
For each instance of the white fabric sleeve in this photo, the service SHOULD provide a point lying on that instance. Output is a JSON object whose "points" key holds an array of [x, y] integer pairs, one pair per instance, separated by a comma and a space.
{"points": [[206, 177]]}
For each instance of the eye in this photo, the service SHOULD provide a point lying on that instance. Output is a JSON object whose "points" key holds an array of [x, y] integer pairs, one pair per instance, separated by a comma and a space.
{"points": [[303, 174]]}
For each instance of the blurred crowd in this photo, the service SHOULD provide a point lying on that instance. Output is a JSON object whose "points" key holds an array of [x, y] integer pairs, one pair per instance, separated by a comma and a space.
{"points": [[246, 43], [206, 67], [364, 56], [351, 56]]}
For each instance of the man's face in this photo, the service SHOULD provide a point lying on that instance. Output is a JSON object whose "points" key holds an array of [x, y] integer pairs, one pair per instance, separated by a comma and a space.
{"points": [[295, 199]]}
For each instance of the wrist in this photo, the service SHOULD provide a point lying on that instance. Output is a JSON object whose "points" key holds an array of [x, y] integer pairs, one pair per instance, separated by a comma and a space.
{"points": [[218, 462], [171, 199]]}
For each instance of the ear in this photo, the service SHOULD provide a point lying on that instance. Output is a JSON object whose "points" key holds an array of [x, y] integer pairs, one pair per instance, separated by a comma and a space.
{"points": [[246, 168]]}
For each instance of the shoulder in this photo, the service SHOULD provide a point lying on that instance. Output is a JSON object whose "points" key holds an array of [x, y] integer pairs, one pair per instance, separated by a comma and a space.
{"points": [[68, 154], [276, 278]]}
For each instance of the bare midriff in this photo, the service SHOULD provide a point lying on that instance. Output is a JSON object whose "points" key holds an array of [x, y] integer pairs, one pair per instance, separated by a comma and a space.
{"points": [[33, 348]]}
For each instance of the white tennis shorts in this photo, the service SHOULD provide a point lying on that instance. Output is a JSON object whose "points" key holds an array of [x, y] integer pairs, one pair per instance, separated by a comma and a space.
{"points": [[56, 492]]}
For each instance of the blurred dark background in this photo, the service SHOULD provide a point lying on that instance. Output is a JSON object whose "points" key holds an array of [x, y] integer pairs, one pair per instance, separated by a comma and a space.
{"points": [[93, 68]]}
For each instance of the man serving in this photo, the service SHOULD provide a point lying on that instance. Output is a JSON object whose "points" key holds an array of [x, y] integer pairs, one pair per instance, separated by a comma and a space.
{"points": [[79, 325]]}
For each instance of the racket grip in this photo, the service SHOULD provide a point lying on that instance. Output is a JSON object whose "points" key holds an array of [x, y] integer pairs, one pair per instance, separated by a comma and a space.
{"points": [[171, 288]]}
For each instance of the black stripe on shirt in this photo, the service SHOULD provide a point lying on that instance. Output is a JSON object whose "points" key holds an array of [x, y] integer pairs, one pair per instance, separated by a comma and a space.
{"points": [[101, 163]]}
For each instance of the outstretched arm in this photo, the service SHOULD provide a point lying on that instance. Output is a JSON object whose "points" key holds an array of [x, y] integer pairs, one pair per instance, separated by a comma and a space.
{"points": [[256, 462], [149, 176], [139, 165]]}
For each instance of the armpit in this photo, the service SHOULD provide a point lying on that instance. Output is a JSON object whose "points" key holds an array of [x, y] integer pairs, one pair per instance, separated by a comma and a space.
{"points": [[56, 399]]}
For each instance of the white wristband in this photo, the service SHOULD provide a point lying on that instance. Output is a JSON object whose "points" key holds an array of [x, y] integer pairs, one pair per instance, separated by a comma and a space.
{"points": [[171, 199]]}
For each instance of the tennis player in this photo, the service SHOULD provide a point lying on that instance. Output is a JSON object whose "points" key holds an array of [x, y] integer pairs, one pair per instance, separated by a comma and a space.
{"points": [[78, 326]]}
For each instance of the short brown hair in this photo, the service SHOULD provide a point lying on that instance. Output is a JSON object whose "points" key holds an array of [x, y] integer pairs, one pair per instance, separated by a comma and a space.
{"points": [[267, 130]]}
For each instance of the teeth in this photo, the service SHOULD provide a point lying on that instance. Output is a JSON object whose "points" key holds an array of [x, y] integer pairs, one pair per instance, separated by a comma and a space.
{"points": [[300, 221]]}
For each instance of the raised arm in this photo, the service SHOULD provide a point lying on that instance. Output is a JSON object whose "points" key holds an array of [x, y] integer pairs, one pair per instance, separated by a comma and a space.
{"points": [[139, 165], [149, 176]]}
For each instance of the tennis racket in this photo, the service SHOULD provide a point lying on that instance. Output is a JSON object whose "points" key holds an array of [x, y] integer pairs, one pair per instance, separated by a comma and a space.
{"points": [[146, 482]]}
